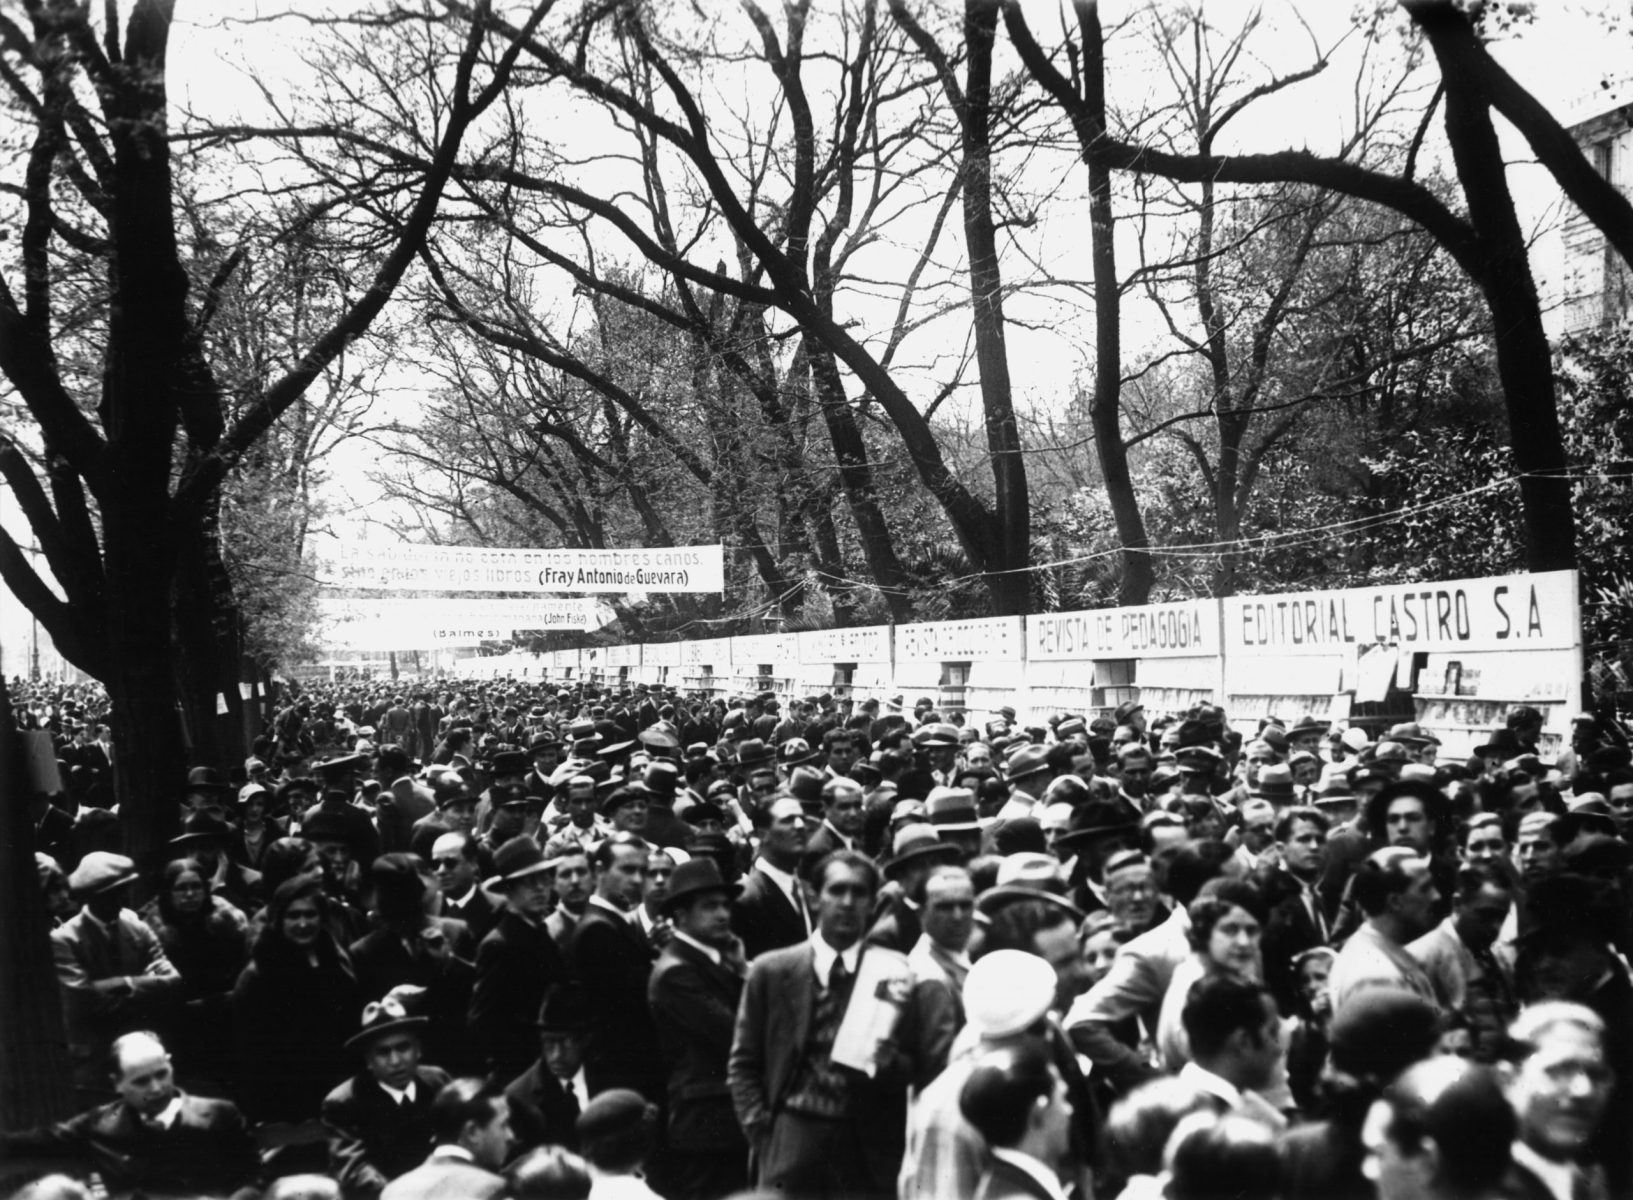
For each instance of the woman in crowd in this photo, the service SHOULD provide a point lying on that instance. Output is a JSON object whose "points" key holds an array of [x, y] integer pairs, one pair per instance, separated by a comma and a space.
{"points": [[256, 830], [1227, 918], [207, 940], [294, 1007]]}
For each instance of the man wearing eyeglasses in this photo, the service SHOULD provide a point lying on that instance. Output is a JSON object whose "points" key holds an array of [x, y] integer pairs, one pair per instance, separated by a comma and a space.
{"points": [[1559, 1086]]}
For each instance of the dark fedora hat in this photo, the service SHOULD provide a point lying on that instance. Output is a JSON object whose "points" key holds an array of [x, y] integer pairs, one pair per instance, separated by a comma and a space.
{"points": [[516, 859], [916, 842], [1098, 818], [693, 878], [509, 762], [564, 1009], [206, 825], [380, 1017], [207, 779], [753, 751]]}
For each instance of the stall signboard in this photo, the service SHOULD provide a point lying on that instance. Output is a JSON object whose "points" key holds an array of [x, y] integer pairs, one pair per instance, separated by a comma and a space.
{"points": [[1510, 612], [706, 652], [863, 644], [661, 654], [762, 649], [624, 656], [986, 638], [398, 567], [1184, 629]]}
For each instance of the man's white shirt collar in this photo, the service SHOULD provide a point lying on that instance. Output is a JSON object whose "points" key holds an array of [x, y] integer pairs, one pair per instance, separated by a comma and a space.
{"points": [[166, 1116], [712, 954], [1034, 1169], [844, 841], [398, 1095], [450, 1150], [1558, 1177], [603, 902], [1205, 1080], [825, 955]]}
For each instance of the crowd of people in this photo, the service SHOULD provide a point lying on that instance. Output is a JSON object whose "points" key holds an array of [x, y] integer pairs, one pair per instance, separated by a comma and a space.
{"points": [[521, 940]]}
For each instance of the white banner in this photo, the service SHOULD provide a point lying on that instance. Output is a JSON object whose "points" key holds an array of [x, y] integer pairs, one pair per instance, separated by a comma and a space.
{"points": [[398, 567], [1184, 629], [348, 624], [951, 641], [1510, 612]]}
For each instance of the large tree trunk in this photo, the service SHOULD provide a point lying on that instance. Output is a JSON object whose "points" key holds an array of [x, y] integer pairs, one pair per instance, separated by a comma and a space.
{"points": [[1524, 359], [1105, 409], [33, 1046], [1010, 585], [150, 761]]}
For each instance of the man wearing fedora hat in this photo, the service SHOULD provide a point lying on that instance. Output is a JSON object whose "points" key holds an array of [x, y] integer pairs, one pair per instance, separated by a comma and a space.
{"points": [[517, 962], [546, 1099], [111, 970], [693, 995], [205, 838], [1097, 830], [1030, 774], [378, 1121], [916, 849]]}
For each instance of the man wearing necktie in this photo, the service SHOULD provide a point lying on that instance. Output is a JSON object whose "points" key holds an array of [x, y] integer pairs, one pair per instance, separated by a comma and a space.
{"points": [[547, 1098], [613, 962], [1298, 918], [694, 996], [819, 1128], [379, 1120]]}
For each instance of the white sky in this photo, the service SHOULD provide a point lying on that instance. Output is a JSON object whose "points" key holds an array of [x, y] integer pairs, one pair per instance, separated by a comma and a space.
{"points": [[1562, 58]]}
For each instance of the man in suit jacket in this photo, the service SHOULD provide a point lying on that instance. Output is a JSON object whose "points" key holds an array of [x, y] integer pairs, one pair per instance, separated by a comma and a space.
{"points": [[470, 1122], [408, 947], [1018, 1102], [771, 912], [547, 1099], [613, 962], [694, 994], [841, 827], [112, 972], [1299, 920], [379, 1120], [516, 963], [820, 1128], [153, 1138], [456, 865]]}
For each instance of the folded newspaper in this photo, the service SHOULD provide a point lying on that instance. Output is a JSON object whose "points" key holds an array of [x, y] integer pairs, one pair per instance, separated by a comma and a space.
{"points": [[883, 984]]}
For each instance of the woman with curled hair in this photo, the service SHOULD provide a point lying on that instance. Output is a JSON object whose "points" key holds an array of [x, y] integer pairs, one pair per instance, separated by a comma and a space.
{"points": [[1227, 921], [207, 940], [295, 1005]]}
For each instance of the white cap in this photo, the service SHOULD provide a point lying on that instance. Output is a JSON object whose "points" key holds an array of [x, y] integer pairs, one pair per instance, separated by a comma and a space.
{"points": [[1006, 991], [1355, 738]]}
